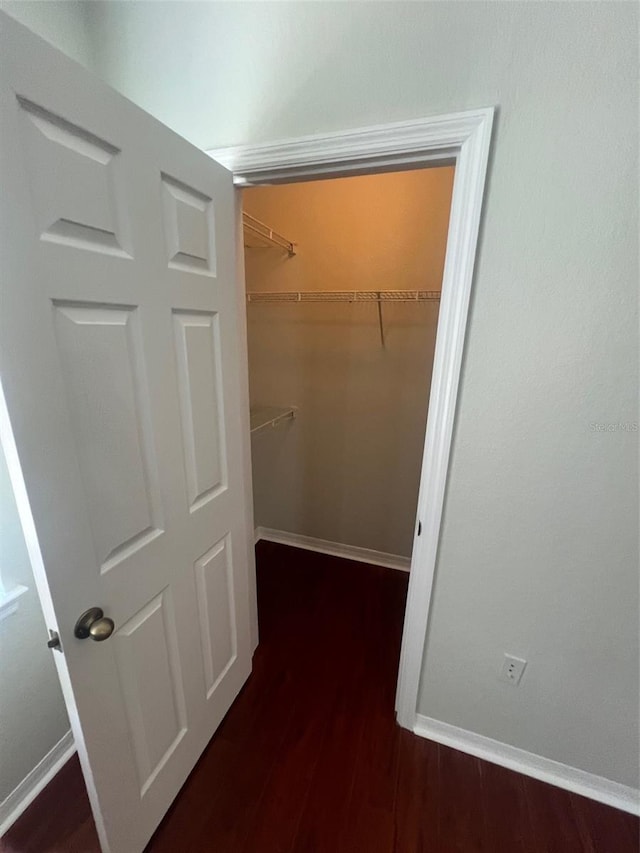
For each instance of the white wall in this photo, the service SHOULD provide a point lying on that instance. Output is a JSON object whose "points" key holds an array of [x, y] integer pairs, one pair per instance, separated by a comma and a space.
{"points": [[63, 24], [347, 470], [32, 709], [539, 551]]}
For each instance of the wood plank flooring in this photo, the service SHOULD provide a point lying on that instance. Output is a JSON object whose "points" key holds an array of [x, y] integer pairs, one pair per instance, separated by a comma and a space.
{"points": [[309, 759]]}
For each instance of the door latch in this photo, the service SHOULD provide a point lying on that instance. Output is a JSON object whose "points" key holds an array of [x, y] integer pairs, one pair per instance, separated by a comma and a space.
{"points": [[54, 641]]}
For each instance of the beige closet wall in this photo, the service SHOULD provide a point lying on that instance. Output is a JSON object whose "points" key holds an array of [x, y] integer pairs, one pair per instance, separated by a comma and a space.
{"points": [[347, 470]]}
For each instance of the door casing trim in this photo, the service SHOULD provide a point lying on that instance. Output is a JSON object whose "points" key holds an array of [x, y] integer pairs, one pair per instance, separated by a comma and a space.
{"points": [[462, 138]]}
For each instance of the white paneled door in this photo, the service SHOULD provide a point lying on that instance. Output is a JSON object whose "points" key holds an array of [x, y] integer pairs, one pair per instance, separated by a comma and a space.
{"points": [[120, 371]]}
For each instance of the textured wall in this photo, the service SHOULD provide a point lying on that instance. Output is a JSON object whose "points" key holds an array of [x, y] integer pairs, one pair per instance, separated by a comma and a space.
{"points": [[347, 470]]}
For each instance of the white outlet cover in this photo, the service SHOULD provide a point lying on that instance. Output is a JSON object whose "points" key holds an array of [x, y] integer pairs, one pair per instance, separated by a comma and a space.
{"points": [[512, 669]]}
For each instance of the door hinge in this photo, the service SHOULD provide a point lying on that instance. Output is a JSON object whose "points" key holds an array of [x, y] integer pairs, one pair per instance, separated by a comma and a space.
{"points": [[54, 641]]}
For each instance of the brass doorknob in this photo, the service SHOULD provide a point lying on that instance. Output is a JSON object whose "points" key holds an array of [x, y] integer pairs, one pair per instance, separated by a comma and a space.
{"points": [[93, 623]]}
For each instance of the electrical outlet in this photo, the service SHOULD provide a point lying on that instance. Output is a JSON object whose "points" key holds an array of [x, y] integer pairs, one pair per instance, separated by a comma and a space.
{"points": [[512, 669]]}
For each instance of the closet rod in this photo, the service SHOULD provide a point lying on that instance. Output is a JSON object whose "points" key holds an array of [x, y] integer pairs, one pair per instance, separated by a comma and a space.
{"points": [[266, 233], [345, 296]]}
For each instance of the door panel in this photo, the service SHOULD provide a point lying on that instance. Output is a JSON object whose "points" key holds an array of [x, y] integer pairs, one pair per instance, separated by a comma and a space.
{"points": [[188, 217], [217, 613], [120, 370], [197, 338], [103, 369], [153, 695], [76, 183]]}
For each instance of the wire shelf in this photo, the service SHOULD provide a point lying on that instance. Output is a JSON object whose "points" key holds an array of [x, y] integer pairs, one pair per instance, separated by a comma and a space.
{"points": [[345, 296]]}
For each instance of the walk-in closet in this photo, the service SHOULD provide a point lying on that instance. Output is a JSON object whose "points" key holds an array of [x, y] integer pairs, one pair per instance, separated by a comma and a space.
{"points": [[343, 281]]}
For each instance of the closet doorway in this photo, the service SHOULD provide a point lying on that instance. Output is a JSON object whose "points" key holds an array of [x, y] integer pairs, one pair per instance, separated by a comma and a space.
{"points": [[461, 140], [343, 281]]}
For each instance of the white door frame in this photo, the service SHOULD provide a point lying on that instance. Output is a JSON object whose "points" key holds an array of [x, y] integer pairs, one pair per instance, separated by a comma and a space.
{"points": [[461, 138]]}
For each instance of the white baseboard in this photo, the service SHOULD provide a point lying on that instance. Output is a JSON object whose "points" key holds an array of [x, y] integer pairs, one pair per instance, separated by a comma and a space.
{"points": [[334, 549], [561, 775], [25, 793]]}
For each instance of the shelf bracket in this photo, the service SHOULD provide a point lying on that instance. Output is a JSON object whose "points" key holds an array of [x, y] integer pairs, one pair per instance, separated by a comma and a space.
{"points": [[381, 322], [266, 234], [264, 416]]}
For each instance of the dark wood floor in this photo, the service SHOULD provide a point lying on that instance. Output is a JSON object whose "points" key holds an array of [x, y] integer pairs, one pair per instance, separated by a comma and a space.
{"points": [[309, 759]]}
